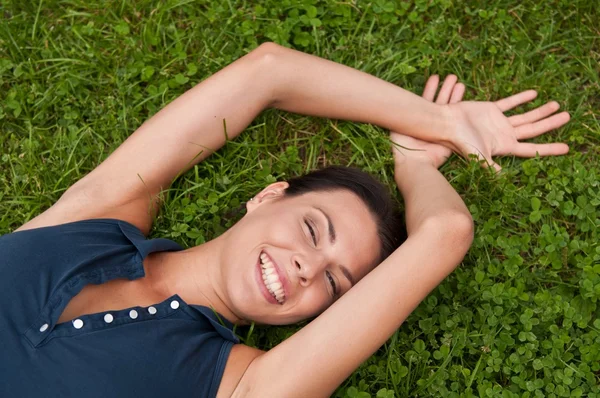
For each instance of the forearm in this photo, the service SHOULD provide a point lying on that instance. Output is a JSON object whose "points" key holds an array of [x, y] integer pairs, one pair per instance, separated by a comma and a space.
{"points": [[426, 193], [191, 127], [311, 85]]}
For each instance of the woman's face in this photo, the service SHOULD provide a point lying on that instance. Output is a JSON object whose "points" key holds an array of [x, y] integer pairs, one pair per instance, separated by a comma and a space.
{"points": [[288, 259]]}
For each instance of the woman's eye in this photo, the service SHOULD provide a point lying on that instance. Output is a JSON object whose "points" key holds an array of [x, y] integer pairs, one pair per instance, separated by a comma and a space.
{"points": [[332, 282], [312, 232]]}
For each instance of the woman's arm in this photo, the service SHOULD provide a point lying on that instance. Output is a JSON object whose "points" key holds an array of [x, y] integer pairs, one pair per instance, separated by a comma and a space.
{"points": [[192, 127], [128, 183], [317, 359], [310, 85]]}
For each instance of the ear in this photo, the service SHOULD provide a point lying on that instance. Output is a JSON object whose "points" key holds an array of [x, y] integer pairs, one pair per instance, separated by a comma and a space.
{"points": [[271, 192]]}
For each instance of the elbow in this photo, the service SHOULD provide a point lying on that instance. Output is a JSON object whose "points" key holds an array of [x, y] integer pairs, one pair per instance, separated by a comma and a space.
{"points": [[267, 55], [266, 60], [268, 48], [466, 231], [453, 232]]}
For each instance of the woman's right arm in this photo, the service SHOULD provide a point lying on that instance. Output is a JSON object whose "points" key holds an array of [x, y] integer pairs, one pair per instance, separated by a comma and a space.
{"points": [[318, 358]]}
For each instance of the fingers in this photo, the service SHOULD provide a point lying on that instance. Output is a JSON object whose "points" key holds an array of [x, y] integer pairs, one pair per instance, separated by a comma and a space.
{"points": [[431, 88], [534, 115], [457, 93], [534, 129], [451, 91], [446, 90], [513, 101], [528, 150]]}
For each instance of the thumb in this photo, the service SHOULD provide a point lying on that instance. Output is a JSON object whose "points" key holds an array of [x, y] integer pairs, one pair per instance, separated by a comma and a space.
{"points": [[496, 167], [484, 158], [490, 164]]}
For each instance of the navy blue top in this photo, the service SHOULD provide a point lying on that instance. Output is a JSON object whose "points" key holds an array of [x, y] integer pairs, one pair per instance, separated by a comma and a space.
{"points": [[171, 349]]}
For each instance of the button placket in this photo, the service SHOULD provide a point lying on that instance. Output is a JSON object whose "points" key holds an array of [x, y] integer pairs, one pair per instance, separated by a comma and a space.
{"points": [[100, 321], [45, 328]]}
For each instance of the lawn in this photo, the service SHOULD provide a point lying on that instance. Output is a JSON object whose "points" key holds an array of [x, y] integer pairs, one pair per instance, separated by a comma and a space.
{"points": [[518, 318]]}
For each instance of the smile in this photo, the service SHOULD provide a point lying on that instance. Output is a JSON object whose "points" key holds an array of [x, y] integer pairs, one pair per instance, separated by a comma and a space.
{"points": [[271, 278]]}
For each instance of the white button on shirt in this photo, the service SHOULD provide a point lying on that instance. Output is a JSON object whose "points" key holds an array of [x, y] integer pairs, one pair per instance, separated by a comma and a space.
{"points": [[133, 314], [174, 304], [108, 318], [44, 327], [152, 310], [78, 323]]}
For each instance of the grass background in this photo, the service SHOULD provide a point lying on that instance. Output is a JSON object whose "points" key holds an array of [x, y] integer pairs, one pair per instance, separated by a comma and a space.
{"points": [[519, 318]]}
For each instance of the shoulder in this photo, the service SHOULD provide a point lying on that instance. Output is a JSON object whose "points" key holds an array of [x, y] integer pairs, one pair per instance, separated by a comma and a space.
{"points": [[239, 360]]}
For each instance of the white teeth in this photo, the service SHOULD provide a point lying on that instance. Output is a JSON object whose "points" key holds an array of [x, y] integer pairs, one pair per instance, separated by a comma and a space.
{"points": [[271, 279]]}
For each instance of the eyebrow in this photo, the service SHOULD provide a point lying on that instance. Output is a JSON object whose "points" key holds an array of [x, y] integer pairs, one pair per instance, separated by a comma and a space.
{"points": [[347, 274], [332, 236], [329, 226]]}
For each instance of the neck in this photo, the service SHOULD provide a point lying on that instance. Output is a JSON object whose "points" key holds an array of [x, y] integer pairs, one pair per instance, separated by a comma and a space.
{"points": [[193, 274]]}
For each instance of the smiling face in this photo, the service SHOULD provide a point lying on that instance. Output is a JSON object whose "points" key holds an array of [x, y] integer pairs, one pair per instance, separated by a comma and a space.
{"points": [[292, 257]]}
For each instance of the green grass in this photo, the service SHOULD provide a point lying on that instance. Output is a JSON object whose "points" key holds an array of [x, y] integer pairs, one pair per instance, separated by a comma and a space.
{"points": [[519, 317]]}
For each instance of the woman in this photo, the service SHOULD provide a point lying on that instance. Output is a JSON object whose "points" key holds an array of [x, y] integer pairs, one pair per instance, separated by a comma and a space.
{"points": [[92, 308]]}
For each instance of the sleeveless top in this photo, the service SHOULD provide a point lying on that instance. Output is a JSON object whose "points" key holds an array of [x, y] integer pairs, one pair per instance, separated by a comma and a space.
{"points": [[170, 349]]}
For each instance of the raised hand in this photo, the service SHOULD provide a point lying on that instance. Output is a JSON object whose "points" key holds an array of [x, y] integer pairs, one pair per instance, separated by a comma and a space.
{"points": [[436, 154], [482, 129]]}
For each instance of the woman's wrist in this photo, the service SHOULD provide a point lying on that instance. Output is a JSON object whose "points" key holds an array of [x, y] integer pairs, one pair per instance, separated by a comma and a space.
{"points": [[413, 158], [412, 162], [435, 123], [446, 134], [409, 170]]}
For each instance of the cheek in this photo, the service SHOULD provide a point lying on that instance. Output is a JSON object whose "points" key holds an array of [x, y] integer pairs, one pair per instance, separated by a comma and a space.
{"points": [[284, 232], [277, 229], [315, 300], [310, 304]]}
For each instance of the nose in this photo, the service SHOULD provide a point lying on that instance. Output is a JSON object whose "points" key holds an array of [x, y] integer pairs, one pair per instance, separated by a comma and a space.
{"points": [[309, 267]]}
